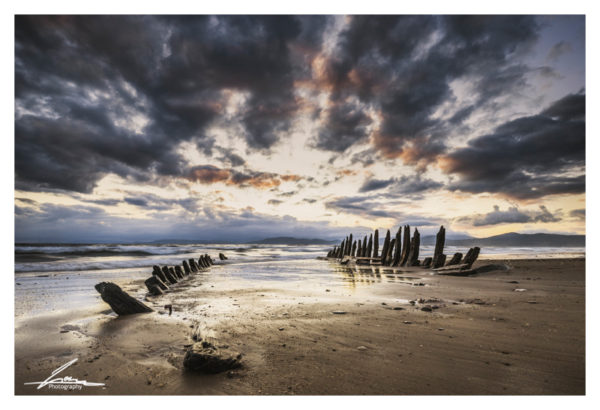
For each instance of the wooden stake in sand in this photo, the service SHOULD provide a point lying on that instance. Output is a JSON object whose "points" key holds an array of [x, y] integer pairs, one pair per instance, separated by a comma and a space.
{"points": [[440, 239], [120, 301]]}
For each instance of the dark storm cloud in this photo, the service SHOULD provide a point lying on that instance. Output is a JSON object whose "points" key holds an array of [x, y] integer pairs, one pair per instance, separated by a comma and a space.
{"points": [[116, 94], [528, 157], [578, 213], [511, 215], [364, 206], [346, 125], [375, 184], [402, 66], [405, 185]]}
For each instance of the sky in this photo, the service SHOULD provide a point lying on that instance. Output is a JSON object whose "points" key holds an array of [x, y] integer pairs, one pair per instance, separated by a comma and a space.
{"points": [[235, 128]]}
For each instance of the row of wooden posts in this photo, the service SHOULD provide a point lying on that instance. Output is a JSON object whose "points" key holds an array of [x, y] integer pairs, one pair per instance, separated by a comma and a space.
{"points": [[166, 276], [160, 281], [400, 251]]}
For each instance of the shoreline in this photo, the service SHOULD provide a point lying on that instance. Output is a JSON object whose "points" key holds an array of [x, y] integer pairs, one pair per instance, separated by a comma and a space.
{"points": [[480, 337]]}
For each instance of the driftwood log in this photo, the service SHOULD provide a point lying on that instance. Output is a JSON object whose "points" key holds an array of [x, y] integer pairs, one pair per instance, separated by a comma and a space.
{"points": [[120, 302]]}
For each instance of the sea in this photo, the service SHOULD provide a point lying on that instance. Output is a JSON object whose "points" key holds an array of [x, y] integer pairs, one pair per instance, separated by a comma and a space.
{"points": [[60, 276]]}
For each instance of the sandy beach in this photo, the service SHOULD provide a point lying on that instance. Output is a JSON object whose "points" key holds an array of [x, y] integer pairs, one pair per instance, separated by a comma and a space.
{"points": [[482, 335]]}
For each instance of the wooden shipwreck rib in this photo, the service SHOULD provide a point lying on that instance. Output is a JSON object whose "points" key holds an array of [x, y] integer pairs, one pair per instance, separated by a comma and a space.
{"points": [[403, 251], [162, 280]]}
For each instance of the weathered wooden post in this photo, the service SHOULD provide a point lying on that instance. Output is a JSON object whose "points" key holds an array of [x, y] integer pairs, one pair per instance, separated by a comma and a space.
{"points": [[186, 267], [364, 247], [437, 260], [193, 265], [413, 255], [154, 285], [397, 252], [358, 248], [172, 279], [426, 262], [178, 271], [370, 246], [471, 257], [376, 244], [353, 249], [120, 302], [390, 252], [386, 245], [157, 272], [455, 259], [175, 273], [405, 246]]}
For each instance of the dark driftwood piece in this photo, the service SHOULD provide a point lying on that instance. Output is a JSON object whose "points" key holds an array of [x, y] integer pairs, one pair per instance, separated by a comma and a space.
{"points": [[405, 245], [193, 265], [222, 256], [386, 245], [376, 244], [455, 259], [157, 272], [120, 302], [170, 278], [172, 270], [440, 239], [186, 267]]}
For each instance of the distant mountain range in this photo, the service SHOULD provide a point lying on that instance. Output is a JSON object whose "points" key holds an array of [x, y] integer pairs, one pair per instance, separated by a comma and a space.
{"points": [[508, 239], [288, 240], [514, 239]]}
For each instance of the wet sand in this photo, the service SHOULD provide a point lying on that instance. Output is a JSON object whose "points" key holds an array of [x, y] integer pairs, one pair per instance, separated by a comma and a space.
{"points": [[481, 336]]}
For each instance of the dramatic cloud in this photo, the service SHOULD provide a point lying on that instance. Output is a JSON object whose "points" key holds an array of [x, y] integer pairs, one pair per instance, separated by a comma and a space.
{"points": [[402, 67], [511, 215], [528, 157], [93, 101]]}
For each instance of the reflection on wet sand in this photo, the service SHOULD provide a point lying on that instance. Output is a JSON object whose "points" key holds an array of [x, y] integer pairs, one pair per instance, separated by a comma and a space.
{"points": [[368, 275]]}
